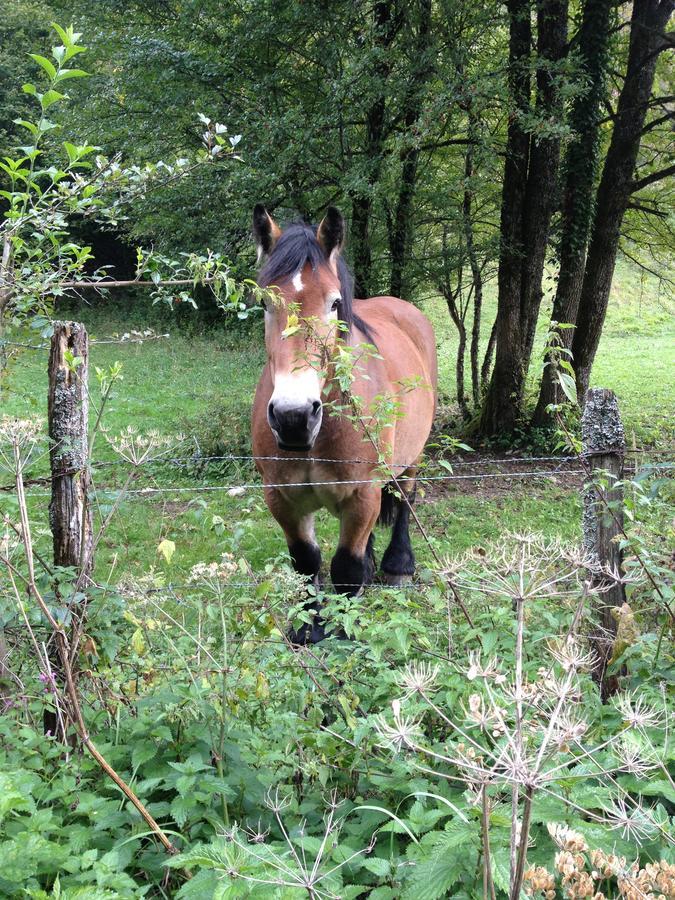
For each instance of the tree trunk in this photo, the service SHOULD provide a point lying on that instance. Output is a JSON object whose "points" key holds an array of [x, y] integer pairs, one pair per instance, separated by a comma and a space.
{"points": [[646, 40], [581, 164], [543, 165], [458, 320], [476, 274], [487, 359], [402, 224], [527, 205], [501, 409], [385, 29]]}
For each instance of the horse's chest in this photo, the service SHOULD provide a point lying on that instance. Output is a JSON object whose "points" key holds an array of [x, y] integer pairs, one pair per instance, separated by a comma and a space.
{"points": [[313, 487]]}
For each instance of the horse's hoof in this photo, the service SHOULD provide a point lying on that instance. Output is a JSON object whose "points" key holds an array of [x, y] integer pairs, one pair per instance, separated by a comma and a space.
{"points": [[307, 634], [389, 578], [340, 634]]}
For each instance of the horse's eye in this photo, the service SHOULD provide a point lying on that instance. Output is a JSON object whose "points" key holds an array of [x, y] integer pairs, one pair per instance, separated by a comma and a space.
{"points": [[336, 304]]}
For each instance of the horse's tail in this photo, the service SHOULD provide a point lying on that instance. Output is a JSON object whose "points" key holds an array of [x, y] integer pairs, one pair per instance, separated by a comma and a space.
{"points": [[388, 506]]}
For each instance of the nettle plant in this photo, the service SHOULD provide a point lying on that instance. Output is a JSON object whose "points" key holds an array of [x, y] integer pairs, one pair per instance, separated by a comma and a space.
{"points": [[52, 184]]}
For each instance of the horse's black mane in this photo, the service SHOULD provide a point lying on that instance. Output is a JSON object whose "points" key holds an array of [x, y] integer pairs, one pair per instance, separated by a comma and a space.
{"points": [[298, 246]]}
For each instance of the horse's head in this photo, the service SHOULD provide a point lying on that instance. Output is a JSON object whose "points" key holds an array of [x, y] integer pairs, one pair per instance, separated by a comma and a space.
{"points": [[313, 293]]}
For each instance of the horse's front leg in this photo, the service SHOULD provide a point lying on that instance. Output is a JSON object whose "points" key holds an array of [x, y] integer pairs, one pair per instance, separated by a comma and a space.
{"points": [[353, 565], [305, 556]]}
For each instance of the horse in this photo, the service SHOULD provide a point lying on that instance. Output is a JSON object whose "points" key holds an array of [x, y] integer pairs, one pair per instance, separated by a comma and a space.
{"points": [[311, 448]]}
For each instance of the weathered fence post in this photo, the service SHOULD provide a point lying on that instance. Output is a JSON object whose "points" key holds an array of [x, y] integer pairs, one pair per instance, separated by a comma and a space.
{"points": [[603, 448], [70, 513]]}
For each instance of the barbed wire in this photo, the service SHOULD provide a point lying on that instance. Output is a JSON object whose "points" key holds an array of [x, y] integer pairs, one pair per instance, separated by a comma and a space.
{"points": [[138, 338], [253, 583], [254, 485], [197, 459], [382, 479]]}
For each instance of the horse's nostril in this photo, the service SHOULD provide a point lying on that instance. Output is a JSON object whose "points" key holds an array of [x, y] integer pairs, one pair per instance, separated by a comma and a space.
{"points": [[316, 407], [270, 412]]}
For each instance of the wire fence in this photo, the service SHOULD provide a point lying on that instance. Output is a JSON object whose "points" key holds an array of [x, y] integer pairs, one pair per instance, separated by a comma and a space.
{"points": [[561, 466]]}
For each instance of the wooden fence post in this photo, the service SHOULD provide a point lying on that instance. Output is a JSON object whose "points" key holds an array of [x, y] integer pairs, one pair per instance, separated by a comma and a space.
{"points": [[70, 513], [603, 448]]}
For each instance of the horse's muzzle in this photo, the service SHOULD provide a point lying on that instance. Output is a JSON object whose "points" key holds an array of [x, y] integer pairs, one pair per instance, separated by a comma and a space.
{"points": [[295, 426]]}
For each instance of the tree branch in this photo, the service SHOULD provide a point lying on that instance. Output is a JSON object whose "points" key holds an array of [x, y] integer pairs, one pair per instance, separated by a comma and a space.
{"points": [[651, 178]]}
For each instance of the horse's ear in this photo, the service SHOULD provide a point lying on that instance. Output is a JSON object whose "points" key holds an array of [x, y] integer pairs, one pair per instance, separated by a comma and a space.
{"points": [[331, 233], [265, 231]]}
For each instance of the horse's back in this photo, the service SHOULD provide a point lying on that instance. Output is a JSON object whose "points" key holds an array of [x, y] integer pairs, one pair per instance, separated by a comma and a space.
{"points": [[397, 326], [405, 340]]}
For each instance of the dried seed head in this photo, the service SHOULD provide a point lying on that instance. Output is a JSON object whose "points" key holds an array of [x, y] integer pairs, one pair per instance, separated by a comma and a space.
{"points": [[418, 678], [567, 839], [276, 802], [478, 670], [570, 656], [405, 732], [635, 822], [20, 432], [637, 713]]}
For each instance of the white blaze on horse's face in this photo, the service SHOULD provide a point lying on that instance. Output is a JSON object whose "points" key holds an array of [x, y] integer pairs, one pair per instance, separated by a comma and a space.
{"points": [[297, 359]]}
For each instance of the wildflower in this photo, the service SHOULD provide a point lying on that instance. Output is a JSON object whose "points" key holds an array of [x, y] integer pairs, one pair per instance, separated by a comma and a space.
{"points": [[137, 449], [211, 573], [47, 678], [405, 731]]}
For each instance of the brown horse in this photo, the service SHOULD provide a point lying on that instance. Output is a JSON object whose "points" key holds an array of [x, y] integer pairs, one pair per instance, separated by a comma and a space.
{"points": [[312, 454]]}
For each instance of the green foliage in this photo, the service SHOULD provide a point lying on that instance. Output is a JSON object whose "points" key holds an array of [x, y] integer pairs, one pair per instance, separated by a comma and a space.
{"points": [[47, 189]]}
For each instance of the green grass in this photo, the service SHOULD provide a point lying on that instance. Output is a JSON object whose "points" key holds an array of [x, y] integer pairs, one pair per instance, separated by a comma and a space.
{"points": [[202, 386], [635, 359]]}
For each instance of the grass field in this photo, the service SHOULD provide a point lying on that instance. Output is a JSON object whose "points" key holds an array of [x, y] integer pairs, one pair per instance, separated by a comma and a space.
{"points": [[202, 387]]}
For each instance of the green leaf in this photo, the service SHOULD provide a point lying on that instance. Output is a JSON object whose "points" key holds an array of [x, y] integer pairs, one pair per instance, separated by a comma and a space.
{"points": [[167, 548], [181, 807], [394, 818], [49, 67], [377, 865], [142, 753], [569, 386], [70, 73], [29, 125], [500, 860], [50, 97]]}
